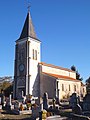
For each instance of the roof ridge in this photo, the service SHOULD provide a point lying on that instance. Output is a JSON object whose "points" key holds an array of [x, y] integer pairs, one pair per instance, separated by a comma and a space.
{"points": [[54, 66]]}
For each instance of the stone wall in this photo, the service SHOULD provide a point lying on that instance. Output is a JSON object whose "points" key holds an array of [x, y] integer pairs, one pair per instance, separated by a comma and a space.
{"points": [[47, 84]]}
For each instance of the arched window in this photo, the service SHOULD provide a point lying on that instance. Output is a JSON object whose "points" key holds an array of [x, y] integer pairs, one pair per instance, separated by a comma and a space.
{"points": [[83, 90], [69, 88], [74, 87], [35, 54], [62, 87]]}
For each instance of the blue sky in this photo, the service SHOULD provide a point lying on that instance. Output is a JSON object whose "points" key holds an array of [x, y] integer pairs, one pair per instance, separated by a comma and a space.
{"points": [[63, 26]]}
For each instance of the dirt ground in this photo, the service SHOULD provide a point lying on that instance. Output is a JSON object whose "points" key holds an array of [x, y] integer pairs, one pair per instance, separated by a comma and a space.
{"points": [[14, 117], [7, 115], [4, 115]]}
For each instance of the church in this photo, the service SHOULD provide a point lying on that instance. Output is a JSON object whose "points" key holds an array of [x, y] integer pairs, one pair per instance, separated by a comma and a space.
{"points": [[35, 77]]}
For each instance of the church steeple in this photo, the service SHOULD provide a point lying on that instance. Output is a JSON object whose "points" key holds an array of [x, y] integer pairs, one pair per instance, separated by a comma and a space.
{"points": [[28, 28], [27, 58]]}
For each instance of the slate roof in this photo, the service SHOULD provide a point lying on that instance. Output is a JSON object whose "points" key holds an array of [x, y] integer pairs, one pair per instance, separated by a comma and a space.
{"points": [[28, 28]]}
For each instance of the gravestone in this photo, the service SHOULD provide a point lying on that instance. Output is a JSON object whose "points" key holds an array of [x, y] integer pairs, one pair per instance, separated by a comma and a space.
{"points": [[9, 103], [57, 101], [41, 104], [16, 105], [74, 103], [86, 102], [2, 99], [54, 102], [10, 98], [74, 100], [45, 101], [77, 109], [0, 103]]}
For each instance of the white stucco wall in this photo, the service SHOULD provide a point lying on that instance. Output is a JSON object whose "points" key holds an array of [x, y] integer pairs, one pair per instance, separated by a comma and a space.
{"points": [[33, 64], [66, 83], [57, 71]]}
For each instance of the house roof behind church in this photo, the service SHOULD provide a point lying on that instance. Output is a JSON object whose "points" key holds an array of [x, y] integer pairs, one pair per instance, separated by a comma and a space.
{"points": [[62, 77], [53, 66]]}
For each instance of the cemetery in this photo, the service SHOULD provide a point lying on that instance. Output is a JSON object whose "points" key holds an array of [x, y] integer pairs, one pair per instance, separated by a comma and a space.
{"points": [[33, 108], [58, 89], [52, 85]]}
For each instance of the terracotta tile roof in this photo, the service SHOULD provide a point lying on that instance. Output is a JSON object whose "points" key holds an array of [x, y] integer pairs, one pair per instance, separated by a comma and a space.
{"points": [[53, 66], [62, 77]]}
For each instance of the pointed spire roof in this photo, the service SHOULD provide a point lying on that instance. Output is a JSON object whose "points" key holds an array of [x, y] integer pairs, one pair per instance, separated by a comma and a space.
{"points": [[28, 28]]}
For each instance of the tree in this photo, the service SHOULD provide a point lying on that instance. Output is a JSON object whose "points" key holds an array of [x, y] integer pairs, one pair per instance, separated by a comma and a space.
{"points": [[78, 77], [7, 87], [8, 90], [73, 68]]}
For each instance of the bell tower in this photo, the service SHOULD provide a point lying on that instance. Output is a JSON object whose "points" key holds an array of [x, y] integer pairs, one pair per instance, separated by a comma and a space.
{"points": [[27, 57]]}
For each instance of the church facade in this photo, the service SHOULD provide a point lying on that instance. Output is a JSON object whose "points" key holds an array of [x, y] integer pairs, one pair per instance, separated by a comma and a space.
{"points": [[35, 77]]}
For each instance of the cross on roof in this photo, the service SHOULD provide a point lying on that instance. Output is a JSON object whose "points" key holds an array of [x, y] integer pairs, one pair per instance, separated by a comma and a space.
{"points": [[28, 6]]}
